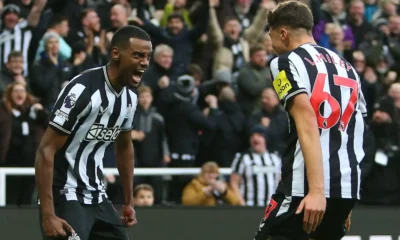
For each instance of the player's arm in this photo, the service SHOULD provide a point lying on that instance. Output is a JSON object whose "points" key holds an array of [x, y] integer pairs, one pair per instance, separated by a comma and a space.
{"points": [[125, 162]]}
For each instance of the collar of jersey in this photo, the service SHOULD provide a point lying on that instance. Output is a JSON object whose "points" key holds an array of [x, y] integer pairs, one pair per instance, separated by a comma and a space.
{"points": [[109, 83]]}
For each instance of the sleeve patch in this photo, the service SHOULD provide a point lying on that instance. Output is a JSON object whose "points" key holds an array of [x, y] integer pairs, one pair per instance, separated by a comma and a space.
{"points": [[282, 84]]}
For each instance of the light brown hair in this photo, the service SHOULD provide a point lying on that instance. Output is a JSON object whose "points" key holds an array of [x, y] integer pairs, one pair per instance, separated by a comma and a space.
{"points": [[293, 14]]}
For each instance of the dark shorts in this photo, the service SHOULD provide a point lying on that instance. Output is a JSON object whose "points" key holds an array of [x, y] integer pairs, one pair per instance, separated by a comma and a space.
{"points": [[90, 222], [280, 221]]}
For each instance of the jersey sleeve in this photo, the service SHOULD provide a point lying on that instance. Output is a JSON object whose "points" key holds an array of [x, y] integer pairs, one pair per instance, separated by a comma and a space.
{"points": [[128, 125], [237, 164], [72, 104], [287, 81]]}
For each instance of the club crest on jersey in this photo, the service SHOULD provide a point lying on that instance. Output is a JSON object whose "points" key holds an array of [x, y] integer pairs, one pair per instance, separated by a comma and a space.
{"points": [[70, 100], [129, 111], [282, 84]]}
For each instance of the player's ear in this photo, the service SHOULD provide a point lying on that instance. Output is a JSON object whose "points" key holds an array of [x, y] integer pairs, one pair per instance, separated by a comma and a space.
{"points": [[115, 53], [284, 34]]}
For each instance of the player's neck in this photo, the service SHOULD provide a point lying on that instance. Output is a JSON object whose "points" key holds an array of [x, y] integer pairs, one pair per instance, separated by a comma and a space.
{"points": [[298, 41], [112, 72]]}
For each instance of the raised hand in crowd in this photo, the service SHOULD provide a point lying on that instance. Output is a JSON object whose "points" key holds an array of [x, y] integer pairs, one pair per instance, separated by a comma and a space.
{"points": [[212, 101], [163, 82], [265, 121], [214, 3]]}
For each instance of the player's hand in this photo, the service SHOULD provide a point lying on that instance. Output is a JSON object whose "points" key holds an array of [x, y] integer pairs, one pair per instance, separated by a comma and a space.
{"points": [[348, 222], [128, 217], [54, 226], [314, 205]]}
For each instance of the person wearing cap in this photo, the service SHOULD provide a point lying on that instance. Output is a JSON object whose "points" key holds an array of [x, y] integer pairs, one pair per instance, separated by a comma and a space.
{"points": [[207, 190], [256, 172], [183, 122], [13, 30]]}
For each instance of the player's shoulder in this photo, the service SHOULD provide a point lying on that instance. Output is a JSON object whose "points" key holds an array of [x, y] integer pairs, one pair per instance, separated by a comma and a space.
{"points": [[88, 76]]}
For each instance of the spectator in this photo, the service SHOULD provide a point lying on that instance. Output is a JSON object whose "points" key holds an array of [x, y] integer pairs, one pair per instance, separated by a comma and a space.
{"points": [[178, 6], [50, 72], [357, 22], [177, 35], [22, 122], [59, 26], [252, 79], [232, 50], [221, 79], [208, 190], [143, 195], [13, 71], [183, 121], [16, 35], [273, 117], [255, 173], [119, 18], [387, 8], [150, 141]]}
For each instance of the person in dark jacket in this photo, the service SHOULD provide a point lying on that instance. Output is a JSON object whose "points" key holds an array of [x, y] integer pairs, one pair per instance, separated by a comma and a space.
{"points": [[13, 71], [22, 124], [184, 121], [177, 35], [49, 73], [150, 141], [228, 138]]}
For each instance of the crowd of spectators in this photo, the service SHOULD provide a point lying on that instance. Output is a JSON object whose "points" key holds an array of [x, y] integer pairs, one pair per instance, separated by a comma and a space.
{"points": [[207, 91]]}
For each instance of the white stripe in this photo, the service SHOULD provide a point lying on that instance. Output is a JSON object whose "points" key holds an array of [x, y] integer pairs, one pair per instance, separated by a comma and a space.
{"points": [[270, 176], [301, 74], [261, 184], [17, 39], [345, 170], [284, 208], [325, 136], [249, 178], [298, 172], [25, 48]]}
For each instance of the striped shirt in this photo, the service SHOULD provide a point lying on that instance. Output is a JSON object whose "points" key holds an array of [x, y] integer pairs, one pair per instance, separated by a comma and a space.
{"points": [[93, 114], [260, 174], [17, 39], [334, 89]]}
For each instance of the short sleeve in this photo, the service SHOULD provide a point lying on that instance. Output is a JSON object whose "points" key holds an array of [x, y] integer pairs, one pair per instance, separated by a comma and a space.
{"points": [[72, 104], [287, 82], [237, 164], [131, 110]]}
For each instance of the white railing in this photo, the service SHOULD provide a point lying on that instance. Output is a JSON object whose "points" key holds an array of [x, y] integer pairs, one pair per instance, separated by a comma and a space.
{"points": [[138, 172]]}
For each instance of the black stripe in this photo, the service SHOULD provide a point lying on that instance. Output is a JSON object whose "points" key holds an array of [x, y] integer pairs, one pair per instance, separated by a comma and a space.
{"points": [[255, 182], [13, 42], [350, 145], [238, 163], [2, 54], [23, 42], [335, 138], [265, 164]]}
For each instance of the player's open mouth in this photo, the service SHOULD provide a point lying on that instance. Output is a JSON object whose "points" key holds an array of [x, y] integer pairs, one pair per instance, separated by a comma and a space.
{"points": [[137, 75]]}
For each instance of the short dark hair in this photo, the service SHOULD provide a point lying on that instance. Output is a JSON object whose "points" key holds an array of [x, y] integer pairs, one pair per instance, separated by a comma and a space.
{"points": [[14, 54], [256, 48], [122, 35], [194, 69], [293, 14], [230, 18], [176, 16], [57, 19]]}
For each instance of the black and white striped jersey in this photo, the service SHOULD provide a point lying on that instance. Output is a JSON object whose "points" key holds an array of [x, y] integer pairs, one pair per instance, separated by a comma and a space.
{"points": [[334, 89], [260, 174], [17, 39], [93, 114]]}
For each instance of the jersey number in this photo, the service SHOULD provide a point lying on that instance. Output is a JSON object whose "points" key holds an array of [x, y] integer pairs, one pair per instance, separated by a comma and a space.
{"points": [[318, 96]]}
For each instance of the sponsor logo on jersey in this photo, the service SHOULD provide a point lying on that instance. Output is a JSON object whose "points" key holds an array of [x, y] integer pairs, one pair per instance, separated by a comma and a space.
{"points": [[282, 84], [98, 132]]}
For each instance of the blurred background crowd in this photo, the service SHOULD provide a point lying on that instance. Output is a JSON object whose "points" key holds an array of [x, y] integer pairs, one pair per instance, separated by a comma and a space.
{"points": [[207, 98]]}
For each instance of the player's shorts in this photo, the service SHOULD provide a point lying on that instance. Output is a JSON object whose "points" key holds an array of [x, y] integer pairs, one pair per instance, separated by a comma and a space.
{"points": [[281, 222], [90, 222]]}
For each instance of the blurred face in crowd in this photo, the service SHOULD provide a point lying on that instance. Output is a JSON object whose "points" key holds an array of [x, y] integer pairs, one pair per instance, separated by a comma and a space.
{"points": [[394, 25], [26, 2], [394, 92], [269, 100], [145, 99], [180, 3], [132, 60], [92, 21], [144, 198], [267, 43], [232, 29], [18, 94], [390, 9], [336, 35], [52, 46], [15, 65], [359, 61], [175, 25], [335, 6], [63, 28], [243, 4], [259, 58], [118, 16], [10, 20], [209, 176], [164, 59], [356, 11], [257, 142]]}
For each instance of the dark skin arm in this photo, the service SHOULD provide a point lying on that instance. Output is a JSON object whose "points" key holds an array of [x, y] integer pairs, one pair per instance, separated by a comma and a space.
{"points": [[125, 163], [51, 142]]}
